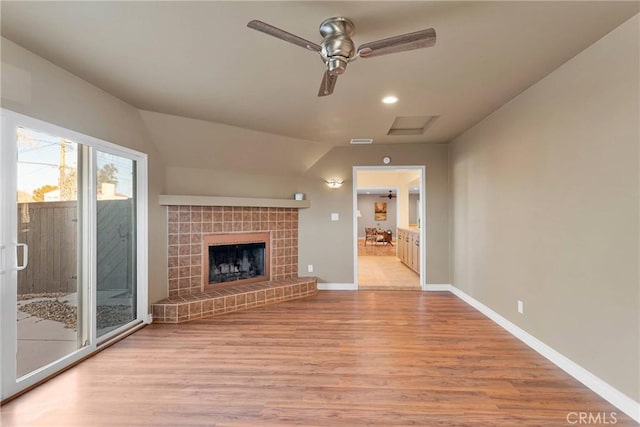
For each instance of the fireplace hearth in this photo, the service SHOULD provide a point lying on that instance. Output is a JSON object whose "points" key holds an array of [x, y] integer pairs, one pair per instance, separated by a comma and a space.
{"points": [[192, 229]]}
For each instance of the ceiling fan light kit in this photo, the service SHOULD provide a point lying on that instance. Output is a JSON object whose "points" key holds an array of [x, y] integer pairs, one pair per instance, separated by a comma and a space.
{"points": [[337, 49]]}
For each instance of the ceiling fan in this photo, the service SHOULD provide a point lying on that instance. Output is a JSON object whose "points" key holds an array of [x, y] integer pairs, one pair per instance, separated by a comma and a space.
{"points": [[337, 49], [389, 196]]}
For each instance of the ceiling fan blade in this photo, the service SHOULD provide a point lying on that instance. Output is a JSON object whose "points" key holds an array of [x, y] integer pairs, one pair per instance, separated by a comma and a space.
{"points": [[328, 84], [401, 43], [282, 35]]}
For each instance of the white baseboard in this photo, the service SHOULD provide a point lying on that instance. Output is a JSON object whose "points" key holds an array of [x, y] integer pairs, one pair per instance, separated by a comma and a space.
{"points": [[436, 287], [337, 287], [602, 388]]}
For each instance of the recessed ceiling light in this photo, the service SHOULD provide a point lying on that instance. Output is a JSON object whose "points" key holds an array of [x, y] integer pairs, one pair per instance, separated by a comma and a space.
{"points": [[390, 99]]}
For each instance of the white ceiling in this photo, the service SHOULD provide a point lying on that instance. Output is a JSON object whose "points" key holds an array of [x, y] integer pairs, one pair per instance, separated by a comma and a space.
{"points": [[199, 60]]}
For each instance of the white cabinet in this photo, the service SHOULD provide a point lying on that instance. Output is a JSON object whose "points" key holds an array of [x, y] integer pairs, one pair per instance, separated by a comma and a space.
{"points": [[402, 248], [409, 248], [415, 252]]}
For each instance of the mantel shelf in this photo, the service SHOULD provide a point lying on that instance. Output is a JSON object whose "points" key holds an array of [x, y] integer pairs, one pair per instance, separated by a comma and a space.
{"points": [[176, 200]]}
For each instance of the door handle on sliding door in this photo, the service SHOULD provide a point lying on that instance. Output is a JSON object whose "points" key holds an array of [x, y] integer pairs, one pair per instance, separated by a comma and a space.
{"points": [[2, 270], [25, 256]]}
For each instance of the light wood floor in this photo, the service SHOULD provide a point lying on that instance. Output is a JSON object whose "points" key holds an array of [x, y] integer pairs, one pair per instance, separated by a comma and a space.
{"points": [[374, 358]]}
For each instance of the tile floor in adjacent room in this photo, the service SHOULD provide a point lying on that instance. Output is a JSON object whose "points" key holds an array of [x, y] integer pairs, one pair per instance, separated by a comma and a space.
{"points": [[380, 268]]}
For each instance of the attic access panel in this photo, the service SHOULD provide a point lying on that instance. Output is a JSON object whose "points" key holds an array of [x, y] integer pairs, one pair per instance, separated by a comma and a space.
{"points": [[411, 125]]}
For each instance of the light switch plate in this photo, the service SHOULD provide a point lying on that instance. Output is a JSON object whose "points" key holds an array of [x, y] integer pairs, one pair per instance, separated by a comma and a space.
{"points": [[335, 217]]}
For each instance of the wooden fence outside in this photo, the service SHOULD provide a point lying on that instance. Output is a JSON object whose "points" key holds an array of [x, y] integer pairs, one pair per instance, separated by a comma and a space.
{"points": [[116, 246], [50, 229]]}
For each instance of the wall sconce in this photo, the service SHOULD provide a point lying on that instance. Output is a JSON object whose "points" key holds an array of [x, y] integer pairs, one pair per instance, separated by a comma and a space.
{"points": [[334, 183]]}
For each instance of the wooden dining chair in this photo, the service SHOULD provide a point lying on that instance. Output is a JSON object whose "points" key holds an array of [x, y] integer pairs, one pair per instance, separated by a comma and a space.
{"points": [[370, 235]]}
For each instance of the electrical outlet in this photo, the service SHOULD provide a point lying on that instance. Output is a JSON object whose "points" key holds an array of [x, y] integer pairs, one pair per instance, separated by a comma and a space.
{"points": [[310, 268], [520, 307], [335, 217]]}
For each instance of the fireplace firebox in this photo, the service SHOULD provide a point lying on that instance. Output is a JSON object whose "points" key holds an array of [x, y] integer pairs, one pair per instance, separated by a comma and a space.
{"points": [[235, 258], [228, 263]]}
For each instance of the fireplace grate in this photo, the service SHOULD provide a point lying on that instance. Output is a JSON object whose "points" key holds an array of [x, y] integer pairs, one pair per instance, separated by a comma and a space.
{"points": [[229, 263]]}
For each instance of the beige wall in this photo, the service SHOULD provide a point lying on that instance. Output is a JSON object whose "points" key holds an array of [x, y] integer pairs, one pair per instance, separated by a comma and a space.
{"points": [[366, 204], [190, 143], [545, 208], [208, 182], [37, 88], [328, 245]]}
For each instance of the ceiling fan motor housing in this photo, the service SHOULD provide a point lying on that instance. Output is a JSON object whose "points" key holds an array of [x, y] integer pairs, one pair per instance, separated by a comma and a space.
{"points": [[337, 46]]}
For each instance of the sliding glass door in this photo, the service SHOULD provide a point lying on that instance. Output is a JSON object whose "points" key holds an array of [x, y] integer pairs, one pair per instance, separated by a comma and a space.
{"points": [[49, 221], [72, 256]]}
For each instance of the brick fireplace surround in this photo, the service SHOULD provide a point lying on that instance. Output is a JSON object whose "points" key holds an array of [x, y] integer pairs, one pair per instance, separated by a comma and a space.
{"points": [[186, 227]]}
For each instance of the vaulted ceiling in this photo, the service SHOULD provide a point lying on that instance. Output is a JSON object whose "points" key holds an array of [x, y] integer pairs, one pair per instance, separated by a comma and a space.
{"points": [[199, 61]]}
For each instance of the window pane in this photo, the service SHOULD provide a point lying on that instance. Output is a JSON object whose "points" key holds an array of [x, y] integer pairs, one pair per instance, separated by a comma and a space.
{"points": [[49, 293], [116, 245]]}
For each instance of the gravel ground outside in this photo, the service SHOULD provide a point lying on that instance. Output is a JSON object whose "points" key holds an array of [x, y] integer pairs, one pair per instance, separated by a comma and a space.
{"points": [[52, 308], [24, 297]]}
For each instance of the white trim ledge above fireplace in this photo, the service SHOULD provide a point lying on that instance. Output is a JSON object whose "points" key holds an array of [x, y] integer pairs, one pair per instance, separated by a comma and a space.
{"points": [[176, 200]]}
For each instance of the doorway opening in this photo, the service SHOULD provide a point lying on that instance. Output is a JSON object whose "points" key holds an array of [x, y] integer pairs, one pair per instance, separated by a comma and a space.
{"points": [[388, 206]]}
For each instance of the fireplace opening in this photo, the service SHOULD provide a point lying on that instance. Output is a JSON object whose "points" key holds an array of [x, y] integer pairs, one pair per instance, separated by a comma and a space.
{"points": [[228, 263], [235, 258]]}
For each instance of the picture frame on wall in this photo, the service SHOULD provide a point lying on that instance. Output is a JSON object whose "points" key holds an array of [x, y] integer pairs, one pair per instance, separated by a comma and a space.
{"points": [[380, 211]]}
